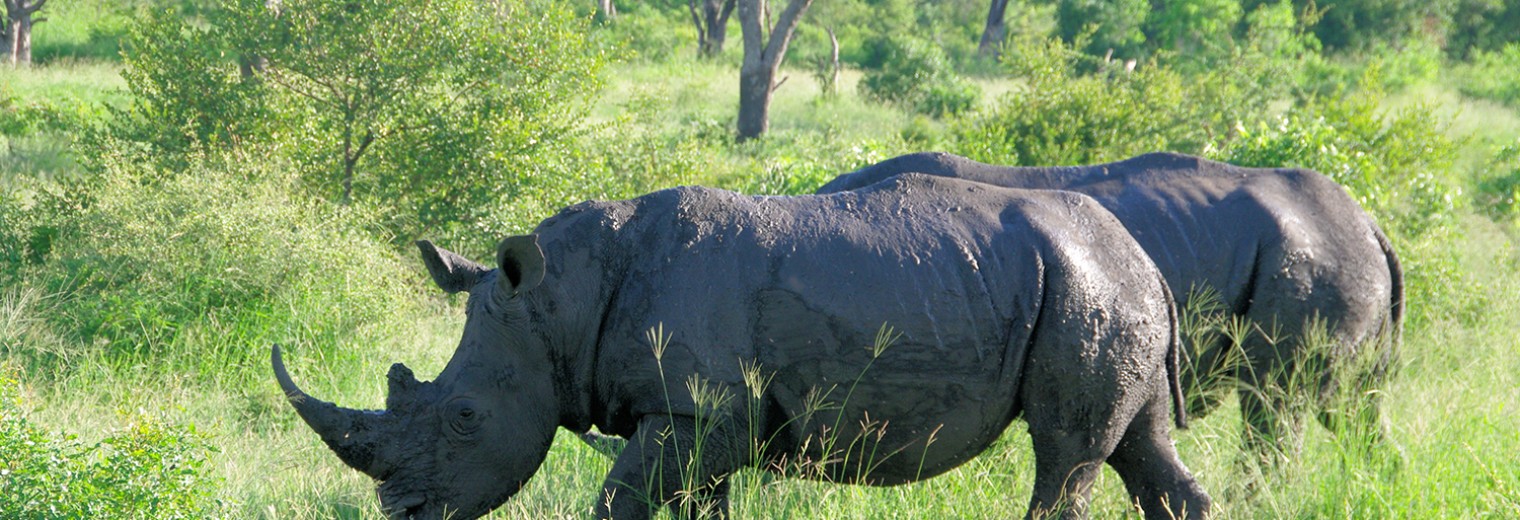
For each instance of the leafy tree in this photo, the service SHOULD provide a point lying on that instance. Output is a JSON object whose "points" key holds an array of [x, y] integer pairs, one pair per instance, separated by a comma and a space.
{"points": [[764, 48], [1483, 25], [20, 16], [1062, 116], [1114, 26], [917, 75], [1360, 24], [436, 110], [711, 21], [1199, 28]]}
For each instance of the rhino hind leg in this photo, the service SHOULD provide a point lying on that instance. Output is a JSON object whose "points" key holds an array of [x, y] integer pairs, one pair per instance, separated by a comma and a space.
{"points": [[1153, 474], [665, 463], [1272, 411], [1350, 401], [1074, 428]]}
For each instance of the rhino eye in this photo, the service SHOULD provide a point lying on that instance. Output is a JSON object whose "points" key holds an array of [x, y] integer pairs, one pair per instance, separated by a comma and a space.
{"points": [[463, 417]]}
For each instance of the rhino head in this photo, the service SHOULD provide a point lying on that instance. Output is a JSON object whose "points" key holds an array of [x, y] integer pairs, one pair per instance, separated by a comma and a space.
{"points": [[463, 444]]}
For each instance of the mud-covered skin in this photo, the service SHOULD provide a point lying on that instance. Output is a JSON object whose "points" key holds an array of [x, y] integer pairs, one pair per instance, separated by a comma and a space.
{"points": [[1008, 303], [1280, 247]]}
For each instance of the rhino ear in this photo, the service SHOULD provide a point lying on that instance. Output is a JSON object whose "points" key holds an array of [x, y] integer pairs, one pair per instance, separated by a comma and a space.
{"points": [[522, 263], [452, 273]]}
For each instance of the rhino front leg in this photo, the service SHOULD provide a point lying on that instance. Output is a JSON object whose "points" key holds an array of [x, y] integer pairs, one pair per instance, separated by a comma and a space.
{"points": [[666, 462]]}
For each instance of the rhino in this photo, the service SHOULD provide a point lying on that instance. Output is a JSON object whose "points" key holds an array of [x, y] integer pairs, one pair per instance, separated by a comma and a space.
{"points": [[878, 336], [1287, 250]]}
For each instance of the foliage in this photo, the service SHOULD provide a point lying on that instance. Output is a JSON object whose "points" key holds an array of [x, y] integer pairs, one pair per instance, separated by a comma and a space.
{"points": [[1104, 27], [917, 74], [223, 255], [432, 113], [1498, 189], [146, 471], [1493, 75], [645, 33], [1195, 28], [1063, 117], [1483, 25], [1398, 165], [185, 98], [1359, 24]]}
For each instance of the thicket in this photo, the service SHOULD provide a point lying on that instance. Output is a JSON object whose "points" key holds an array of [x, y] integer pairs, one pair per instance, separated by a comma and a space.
{"points": [[181, 271], [145, 471], [434, 114]]}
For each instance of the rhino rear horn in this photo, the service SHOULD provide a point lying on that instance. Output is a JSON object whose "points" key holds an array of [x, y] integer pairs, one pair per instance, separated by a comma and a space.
{"points": [[349, 433], [522, 264], [453, 273]]}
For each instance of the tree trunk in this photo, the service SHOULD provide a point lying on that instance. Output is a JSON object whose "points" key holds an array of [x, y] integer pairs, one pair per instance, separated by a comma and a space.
{"points": [[997, 29], [19, 36], [711, 21], [832, 86], [607, 9], [762, 58]]}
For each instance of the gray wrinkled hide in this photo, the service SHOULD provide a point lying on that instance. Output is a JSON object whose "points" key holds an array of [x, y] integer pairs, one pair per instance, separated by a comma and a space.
{"points": [[1281, 247], [1008, 303]]}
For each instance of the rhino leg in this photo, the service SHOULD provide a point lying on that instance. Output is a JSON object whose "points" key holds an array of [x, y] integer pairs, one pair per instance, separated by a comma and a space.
{"points": [[1147, 462], [666, 463], [1074, 427], [1273, 391], [1273, 420], [1350, 401]]}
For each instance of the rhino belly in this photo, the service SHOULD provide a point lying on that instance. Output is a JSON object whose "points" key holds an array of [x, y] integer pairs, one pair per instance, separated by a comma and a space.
{"points": [[886, 431]]}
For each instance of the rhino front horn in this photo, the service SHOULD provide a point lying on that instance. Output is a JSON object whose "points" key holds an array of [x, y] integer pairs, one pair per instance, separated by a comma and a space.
{"points": [[349, 433]]}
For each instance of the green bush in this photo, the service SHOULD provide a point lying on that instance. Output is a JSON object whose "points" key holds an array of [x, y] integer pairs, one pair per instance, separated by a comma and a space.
{"points": [[185, 272], [1100, 27], [1493, 75], [644, 33], [1498, 190], [432, 114], [1399, 166], [1199, 30], [1060, 116], [146, 471], [918, 75]]}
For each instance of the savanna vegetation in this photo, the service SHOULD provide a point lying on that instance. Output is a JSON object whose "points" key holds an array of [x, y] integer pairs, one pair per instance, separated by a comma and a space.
{"points": [[185, 182]]}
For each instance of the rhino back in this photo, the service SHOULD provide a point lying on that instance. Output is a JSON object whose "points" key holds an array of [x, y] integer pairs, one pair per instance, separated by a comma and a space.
{"points": [[1204, 223]]}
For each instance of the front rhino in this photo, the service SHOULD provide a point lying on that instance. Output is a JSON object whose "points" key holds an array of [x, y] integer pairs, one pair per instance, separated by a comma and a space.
{"points": [[740, 280], [439, 449]]}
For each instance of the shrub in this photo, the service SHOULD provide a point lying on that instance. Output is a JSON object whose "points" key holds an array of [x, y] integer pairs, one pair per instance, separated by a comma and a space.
{"points": [[1099, 27], [187, 270], [1061, 116], [1399, 166], [1196, 29], [917, 75], [146, 471], [1493, 75], [431, 113], [1498, 191]]}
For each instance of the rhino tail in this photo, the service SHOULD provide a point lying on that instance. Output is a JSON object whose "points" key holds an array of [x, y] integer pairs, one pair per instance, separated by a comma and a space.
{"points": [[1174, 355], [1393, 330]]}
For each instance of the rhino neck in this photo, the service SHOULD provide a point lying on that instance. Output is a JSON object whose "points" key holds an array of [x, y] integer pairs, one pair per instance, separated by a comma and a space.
{"points": [[584, 268]]}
